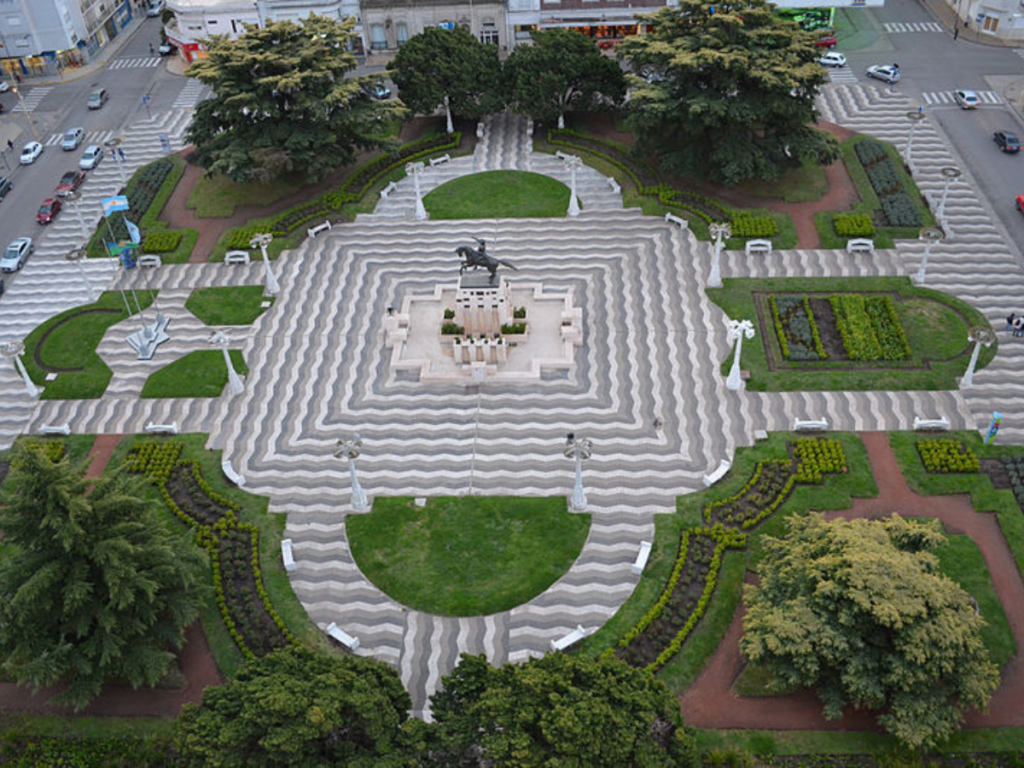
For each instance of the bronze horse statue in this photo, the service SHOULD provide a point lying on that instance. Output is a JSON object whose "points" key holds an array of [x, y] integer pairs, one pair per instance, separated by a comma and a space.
{"points": [[480, 258]]}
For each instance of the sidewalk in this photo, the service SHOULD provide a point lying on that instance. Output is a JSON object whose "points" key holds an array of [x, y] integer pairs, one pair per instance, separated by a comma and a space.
{"points": [[946, 15]]}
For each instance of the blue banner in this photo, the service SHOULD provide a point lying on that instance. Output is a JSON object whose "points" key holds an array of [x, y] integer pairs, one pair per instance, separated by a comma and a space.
{"points": [[993, 427], [116, 203], [133, 232]]}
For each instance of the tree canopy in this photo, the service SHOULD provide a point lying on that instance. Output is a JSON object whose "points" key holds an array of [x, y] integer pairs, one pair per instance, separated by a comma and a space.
{"points": [[93, 586], [728, 91], [282, 102], [449, 68], [293, 707], [859, 610], [563, 71], [558, 710]]}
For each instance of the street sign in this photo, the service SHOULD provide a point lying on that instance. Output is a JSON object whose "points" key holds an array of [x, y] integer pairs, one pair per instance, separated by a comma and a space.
{"points": [[165, 143]]}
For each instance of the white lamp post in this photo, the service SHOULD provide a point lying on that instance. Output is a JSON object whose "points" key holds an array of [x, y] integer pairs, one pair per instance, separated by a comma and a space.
{"points": [[76, 198], [349, 450], [75, 257], [981, 336], [949, 175], [719, 231], [448, 116], [12, 350], [414, 170], [578, 449], [929, 236], [914, 118], [234, 380], [737, 330], [261, 241], [574, 163]]}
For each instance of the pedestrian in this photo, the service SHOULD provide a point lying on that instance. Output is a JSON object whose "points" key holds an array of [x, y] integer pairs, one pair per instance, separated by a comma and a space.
{"points": [[10, 145], [1018, 326], [151, 51], [17, 77], [956, 32], [1009, 320]]}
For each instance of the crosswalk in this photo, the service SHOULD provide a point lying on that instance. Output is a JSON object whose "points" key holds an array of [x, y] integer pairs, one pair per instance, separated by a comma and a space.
{"points": [[193, 92], [134, 63], [30, 100], [902, 28], [841, 75], [946, 97], [91, 137]]}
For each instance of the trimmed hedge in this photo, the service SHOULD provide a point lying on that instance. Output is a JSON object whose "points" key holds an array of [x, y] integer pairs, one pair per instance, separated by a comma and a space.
{"points": [[854, 225], [745, 224], [944, 456], [161, 242], [887, 182]]}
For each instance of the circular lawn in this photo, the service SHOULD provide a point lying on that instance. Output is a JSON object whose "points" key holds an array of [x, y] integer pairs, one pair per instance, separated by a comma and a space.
{"points": [[498, 195]]}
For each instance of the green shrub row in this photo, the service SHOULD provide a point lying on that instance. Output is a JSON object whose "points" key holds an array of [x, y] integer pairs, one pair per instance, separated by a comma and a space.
{"points": [[815, 334], [853, 225], [777, 322], [798, 334], [818, 457], [513, 328], [451, 328], [869, 327], [899, 210], [52, 449], [944, 456], [655, 610], [887, 182], [161, 242], [739, 495], [888, 330], [745, 224], [870, 152]]}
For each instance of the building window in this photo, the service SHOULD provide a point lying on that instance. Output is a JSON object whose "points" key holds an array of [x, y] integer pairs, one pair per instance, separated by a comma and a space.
{"points": [[489, 33], [378, 41], [401, 33]]}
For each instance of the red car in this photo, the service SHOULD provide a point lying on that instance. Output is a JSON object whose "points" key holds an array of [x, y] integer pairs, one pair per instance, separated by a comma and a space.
{"points": [[69, 182], [48, 210], [1020, 203], [827, 41]]}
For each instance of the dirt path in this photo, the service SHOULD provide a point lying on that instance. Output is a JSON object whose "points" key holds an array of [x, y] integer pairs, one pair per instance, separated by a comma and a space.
{"points": [[99, 454], [711, 703]]}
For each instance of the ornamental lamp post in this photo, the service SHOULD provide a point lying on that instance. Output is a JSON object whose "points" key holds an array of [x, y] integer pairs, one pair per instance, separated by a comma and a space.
{"points": [[75, 257], [981, 336], [914, 118], [737, 330], [578, 449], [721, 232], [929, 236], [349, 450], [261, 241], [12, 351], [234, 380], [414, 170], [75, 197], [949, 175], [574, 163]]}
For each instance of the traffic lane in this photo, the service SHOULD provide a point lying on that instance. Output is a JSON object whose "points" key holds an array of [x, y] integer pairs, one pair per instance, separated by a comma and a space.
{"points": [[998, 176]]}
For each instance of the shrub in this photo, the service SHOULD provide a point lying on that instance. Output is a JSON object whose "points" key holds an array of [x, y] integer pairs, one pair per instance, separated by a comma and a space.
{"points": [[513, 328], [241, 238], [899, 210], [870, 152], [745, 224], [854, 225], [161, 242], [449, 314], [451, 329], [942, 456]]}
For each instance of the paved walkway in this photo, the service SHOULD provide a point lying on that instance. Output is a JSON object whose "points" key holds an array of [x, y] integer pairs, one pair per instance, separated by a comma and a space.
{"points": [[711, 703]]}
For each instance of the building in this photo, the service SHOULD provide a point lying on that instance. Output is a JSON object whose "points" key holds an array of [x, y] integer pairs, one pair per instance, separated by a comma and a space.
{"points": [[607, 21], [1003, 19], [388, 24], [45, 36]]}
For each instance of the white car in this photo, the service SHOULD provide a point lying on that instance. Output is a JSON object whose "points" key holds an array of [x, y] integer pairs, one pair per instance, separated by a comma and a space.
{"points": [[91, 157], [4, 87], [885, 72], [72, 139], [31, 152], [832, 59], [967, 99], [17, 254]]}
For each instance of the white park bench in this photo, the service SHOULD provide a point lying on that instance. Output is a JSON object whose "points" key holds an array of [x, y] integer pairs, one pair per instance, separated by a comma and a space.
{"points": [[230, 474], [53, 429], [573, 637], [287, 556], [641, 557], [758, 246], [162, 429], [671, 218], [314, 231], [342, 636], [723, 467], [236, 257], [388, 189], [810, 425], [563, 155], [438, 160], [149, 260], [860, 245], [613, 184], [931, 425]]}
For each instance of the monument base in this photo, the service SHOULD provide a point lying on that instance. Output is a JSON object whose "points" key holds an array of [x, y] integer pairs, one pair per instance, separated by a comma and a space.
{"points": [[150, 337], [482, 305]]}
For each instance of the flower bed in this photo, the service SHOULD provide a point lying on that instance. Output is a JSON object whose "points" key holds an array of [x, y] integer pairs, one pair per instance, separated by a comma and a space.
{"points": [[796, 329], [887, 182], [944, 456], [870, 327]]}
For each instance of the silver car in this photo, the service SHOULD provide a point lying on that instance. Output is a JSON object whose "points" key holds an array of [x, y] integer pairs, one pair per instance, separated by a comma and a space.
{"points": [[17, 254], [91, 157], [72, 139]]}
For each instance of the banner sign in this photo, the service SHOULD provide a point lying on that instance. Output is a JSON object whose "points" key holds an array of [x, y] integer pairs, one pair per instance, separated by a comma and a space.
{"points": [[993, 427]]}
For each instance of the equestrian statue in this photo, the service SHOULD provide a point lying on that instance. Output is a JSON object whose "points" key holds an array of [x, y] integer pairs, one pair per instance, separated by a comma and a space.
{"points": [[479, 258]]}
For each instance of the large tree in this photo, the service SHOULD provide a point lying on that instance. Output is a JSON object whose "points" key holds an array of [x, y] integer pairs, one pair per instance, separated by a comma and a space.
{"points": [[282, 102], [558, 710], [93, 587], [449, 68], [728, 91], [860, 611], [563, 71], [298, 708]]}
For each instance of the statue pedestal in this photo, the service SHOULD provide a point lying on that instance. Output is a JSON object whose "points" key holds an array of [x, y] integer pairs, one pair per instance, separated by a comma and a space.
{"points": [[482, 307]]}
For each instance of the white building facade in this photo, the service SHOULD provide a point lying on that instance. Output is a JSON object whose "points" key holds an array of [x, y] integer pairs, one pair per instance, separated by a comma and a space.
{"points": [[388, 24], [1003, 19]]}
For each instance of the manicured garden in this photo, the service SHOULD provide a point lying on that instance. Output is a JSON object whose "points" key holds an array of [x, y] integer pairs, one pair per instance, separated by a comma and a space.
{"points": [[198, 374], [498, 194]]}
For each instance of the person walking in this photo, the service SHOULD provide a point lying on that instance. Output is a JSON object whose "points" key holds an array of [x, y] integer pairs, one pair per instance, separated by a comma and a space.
{"points": [[1018, 326], [151, 51], [956, 32], [1009, 320]]}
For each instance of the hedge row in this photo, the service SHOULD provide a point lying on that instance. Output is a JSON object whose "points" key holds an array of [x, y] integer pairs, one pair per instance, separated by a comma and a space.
{"points": [[853, 225], [943, 456], [887, 181], [869, 327]]}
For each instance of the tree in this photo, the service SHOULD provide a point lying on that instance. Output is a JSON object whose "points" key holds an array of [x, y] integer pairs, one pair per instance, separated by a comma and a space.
{"points": [[557, 710], [449, 68], [728, 91], [282, 102], [562, 71], [859, 610], [294, 707], [94, 587]]}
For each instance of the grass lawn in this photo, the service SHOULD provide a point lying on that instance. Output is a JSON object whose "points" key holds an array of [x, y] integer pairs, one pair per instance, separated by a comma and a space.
{"points": [[237, 305], [198, 374], [803, 184], [73, 345], [218, 196], [466, 556], [498, 194], [935, 331]]}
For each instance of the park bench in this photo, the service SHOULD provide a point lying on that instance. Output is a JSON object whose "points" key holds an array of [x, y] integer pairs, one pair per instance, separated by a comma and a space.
{"points": [[388, 189], [810, 425], [758, 246], [723, 467], [563, 155], [613, 184], [230, 474], [287, 556], [342, 636], [53, 429], [573, 637], [314, 231], [438, 160], [931, 425], [148, 260], [860, 245], [641, 557], [671, 218], [236, 257], [162, 429]]}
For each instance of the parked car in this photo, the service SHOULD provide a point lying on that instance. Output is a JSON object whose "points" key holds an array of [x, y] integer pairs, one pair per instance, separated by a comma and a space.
{"points": [[97, 98], [886, 72], [72, 139], [5, 187], [31, 153], [1020, 203], [48, 210], [91, 157], [826, 41], [17, 254], [966, 99], [833, 59], [166, 49], [155, 8], [4, 87], [1007, 141], [69, 182], [380, 91]]}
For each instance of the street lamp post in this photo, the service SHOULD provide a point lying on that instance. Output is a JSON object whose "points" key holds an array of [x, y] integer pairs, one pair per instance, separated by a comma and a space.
{"points": [[929, 236], [914, 118], [574, 163], [737, 330], [76, 198], [981, 336], [578, 449], [949, 175], [349, 450], [75, 257], [719, 231], [28, 116], [118, 156], [234, 380], [12, 350], [261, 241], [414, 170]]}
